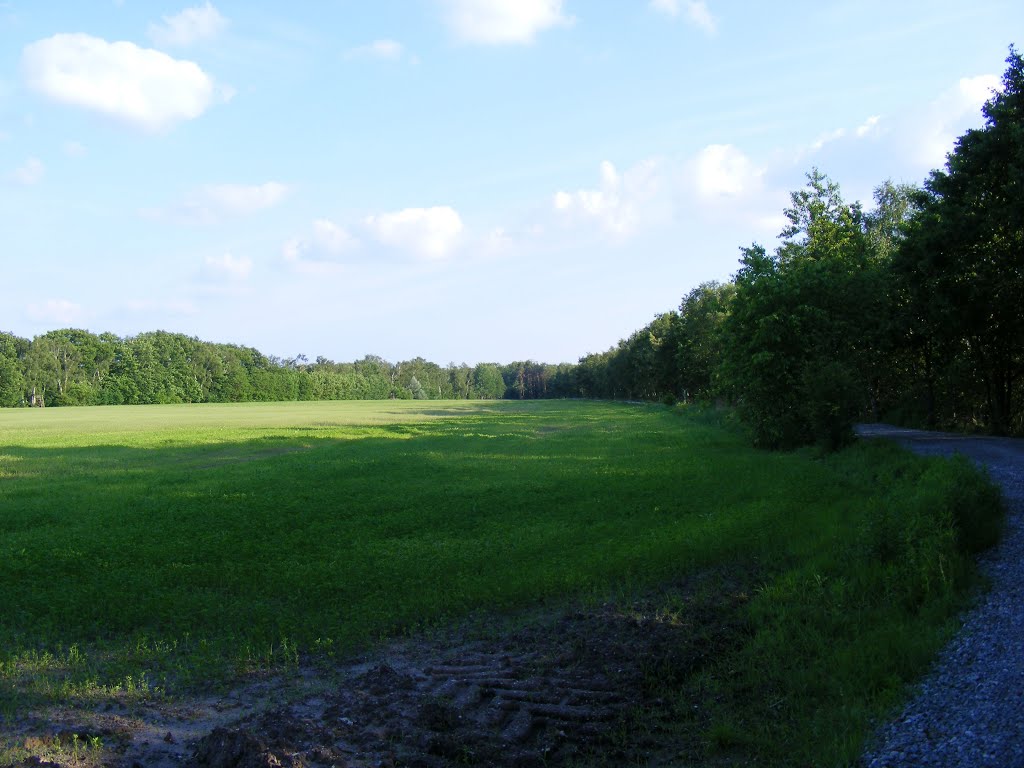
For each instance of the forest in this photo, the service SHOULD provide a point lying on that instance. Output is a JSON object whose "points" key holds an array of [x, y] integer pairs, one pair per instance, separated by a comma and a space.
{"points": [[909, 311]]}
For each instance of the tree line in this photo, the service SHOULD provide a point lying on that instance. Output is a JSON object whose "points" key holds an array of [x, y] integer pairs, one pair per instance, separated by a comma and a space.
{"points": [[910, 311], [76, 367]]}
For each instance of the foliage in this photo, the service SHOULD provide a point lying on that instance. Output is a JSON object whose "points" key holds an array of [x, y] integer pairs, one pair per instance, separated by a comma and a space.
{"points": [[835, 636], [488, 383], [793, 338], [961, 270], [12, 378], [908, 312], [700, 345], [76, 367]]}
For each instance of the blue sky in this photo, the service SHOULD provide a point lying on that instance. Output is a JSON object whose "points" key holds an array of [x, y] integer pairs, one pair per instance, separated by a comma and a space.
{"points": [[465, 180]]}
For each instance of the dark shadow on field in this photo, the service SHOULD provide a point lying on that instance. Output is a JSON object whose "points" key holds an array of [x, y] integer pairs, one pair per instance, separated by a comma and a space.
{"points": [[301, 537]]}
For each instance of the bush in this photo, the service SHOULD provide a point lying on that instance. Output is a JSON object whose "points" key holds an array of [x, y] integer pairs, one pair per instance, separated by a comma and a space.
{"points": [[831, 397], [934, 514], [864, 615], [974, 505]]}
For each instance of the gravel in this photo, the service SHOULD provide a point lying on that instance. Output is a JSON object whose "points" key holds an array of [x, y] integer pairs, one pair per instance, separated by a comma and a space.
{"points": [[969, 710]]}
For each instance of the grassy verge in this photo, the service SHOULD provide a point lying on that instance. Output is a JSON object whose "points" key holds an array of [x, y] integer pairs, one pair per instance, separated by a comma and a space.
{"points": [[835, 638], [160, 549]]}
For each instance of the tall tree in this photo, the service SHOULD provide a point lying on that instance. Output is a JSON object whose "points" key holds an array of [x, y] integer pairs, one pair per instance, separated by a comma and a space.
{"points": [[12, 378], [794, 350], [963, 263], [699, 341], [487, 382]]}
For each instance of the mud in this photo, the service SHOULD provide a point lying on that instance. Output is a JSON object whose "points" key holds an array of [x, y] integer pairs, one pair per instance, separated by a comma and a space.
{"points": [[612, 683]]}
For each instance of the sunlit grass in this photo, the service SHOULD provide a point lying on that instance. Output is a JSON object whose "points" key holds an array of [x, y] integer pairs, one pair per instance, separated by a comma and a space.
{"points": [[158, 549]]}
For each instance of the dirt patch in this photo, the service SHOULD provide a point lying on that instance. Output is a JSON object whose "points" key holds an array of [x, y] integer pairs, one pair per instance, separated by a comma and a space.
{"points": [[612, 683]]}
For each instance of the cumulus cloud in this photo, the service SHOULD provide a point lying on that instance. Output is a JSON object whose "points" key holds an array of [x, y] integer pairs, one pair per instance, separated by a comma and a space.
{"points": [[723, 171], [60, 312], [139, 85], [696, 12], [494, 22], [603, 203], [30, 172], [215, 202], [939, 125], [620, 203], [379, 49], [202, 22], [230, 266], [318, 252], [430, 233]]}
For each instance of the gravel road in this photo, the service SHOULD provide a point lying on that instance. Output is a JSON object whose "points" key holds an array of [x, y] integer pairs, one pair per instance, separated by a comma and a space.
{"points": [[969, 711]]}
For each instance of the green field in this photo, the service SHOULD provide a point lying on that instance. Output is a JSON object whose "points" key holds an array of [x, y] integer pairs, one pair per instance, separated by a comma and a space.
{"points": [[165, 548]]}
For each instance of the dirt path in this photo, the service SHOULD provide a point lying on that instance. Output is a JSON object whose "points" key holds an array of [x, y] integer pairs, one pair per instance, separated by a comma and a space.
{"points": [[970, 710]]}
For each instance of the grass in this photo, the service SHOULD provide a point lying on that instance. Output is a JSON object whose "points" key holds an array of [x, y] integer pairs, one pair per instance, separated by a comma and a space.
{"points": [[164, 548]]}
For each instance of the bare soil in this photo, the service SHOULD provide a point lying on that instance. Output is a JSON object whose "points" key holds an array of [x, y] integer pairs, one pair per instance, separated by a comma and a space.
{"points": [[612, 683]]}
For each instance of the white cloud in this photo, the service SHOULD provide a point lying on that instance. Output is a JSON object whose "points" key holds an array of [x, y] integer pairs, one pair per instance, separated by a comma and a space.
{"points": [[331, 238], [228, 265], [430, 233], [697, 12], [723, 171], [603, 203], [699, 15], [868, 127], [244, 198], [214, 202], [504, 21], [202, 22], [828, 138], [56, 312], [379, 49], [31, 172], [938, 126], [138, 85], [975, 91], [317, 253], [620, 203]]}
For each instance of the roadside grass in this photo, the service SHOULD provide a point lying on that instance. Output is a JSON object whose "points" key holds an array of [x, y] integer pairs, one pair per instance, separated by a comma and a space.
{"points": [[155, 550]]}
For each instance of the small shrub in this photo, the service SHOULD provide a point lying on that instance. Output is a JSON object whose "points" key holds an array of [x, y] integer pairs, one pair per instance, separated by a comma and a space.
{"points": [[974, 504], [830, 398]]}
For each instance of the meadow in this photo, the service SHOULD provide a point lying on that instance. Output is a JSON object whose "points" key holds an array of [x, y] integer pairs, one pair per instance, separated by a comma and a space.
{"points": [[158, 550]]}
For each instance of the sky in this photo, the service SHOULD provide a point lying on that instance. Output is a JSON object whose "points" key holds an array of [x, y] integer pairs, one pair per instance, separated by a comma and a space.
{"points": [[462, 180]]}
